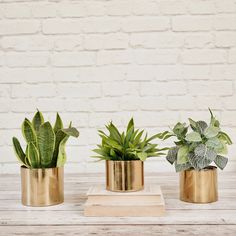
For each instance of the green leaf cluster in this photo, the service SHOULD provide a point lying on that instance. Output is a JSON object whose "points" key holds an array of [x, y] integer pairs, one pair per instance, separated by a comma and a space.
{"points": [[45, 144], [199, 147], [128, 145]]}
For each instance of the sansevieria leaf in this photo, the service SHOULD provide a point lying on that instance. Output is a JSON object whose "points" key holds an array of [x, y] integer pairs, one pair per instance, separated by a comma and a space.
{"points": [[46, 144], [33, 156], [28, 132], [37, 121], [58, 124], [26, 157], [18, 151], [60, 135], [71, 132], [61, 159]]}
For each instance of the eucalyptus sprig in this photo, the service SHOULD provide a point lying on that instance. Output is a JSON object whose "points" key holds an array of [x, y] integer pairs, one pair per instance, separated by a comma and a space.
{"points": [[206, 143], [126, 146]]}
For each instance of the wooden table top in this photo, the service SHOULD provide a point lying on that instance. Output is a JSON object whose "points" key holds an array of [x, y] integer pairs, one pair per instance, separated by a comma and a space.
{"points": [[67, 219]]}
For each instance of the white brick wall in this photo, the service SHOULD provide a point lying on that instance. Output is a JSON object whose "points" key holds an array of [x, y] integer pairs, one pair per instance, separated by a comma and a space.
{"points": [[159, 61]]}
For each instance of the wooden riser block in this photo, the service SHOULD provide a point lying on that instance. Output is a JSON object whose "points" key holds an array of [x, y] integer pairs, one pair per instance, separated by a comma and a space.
{"points": [[124, 211], [148, 202]]}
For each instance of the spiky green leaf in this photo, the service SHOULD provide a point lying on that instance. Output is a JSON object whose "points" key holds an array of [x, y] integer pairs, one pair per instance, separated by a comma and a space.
{"points": [[142, 156], [129, 145], [114, 133], [130, 124]]}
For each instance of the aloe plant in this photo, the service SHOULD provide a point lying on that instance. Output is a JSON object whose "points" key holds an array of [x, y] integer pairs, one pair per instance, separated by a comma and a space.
{"points": [[45, 144], [126, 146], [206, 143]]}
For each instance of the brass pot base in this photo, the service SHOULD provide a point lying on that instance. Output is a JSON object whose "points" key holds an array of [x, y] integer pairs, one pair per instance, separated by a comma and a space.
{"points": [[42, 187], [124, 176], [199, 186]]}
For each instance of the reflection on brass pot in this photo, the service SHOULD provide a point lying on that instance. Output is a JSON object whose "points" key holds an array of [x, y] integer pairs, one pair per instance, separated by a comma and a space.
{"points": [[42, 187], [122, 176], [199, 186]]}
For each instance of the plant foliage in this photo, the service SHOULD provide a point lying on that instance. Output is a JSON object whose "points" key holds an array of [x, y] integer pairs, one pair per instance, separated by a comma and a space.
{"points": [[45, 144], [126, 146], [198, 148]]}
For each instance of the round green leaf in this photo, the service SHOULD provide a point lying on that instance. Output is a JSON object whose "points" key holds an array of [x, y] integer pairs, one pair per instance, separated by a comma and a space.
{"points": [[182, 156], [193, 137], [211, 132]]}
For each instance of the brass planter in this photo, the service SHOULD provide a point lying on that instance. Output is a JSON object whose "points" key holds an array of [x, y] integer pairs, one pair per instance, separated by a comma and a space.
{"points": [[42, 187], [124, 176], [199, 186]]}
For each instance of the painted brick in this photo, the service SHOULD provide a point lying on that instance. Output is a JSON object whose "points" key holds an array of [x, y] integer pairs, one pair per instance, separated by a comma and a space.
{"points": [[191, 23], [140, 24], [73, 59], [18, 27], [225, 22], [205, 56], [27, 59], [65, 26]]}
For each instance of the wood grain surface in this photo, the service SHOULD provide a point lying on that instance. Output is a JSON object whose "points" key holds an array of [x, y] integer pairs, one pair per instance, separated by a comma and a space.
{"points": [[67, 219]]}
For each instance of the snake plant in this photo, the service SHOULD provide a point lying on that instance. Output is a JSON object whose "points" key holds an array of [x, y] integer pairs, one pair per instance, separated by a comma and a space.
{"points": [[206, 143], [45, 144], [127, 145]]}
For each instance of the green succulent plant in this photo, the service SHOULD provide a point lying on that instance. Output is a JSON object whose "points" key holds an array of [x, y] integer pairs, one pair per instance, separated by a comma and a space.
{"points": [[45, 144], [127, 145], [206, 143]]}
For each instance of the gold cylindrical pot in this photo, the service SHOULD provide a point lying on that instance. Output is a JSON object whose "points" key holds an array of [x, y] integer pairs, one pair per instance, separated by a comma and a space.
{"points": [[42, 187], [124, 176], [199, 186]]}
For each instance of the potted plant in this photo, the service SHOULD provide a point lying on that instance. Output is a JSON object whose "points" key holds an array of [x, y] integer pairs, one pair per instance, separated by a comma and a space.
{"points": [[42, 171], [124, 154], [192, 156]]}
